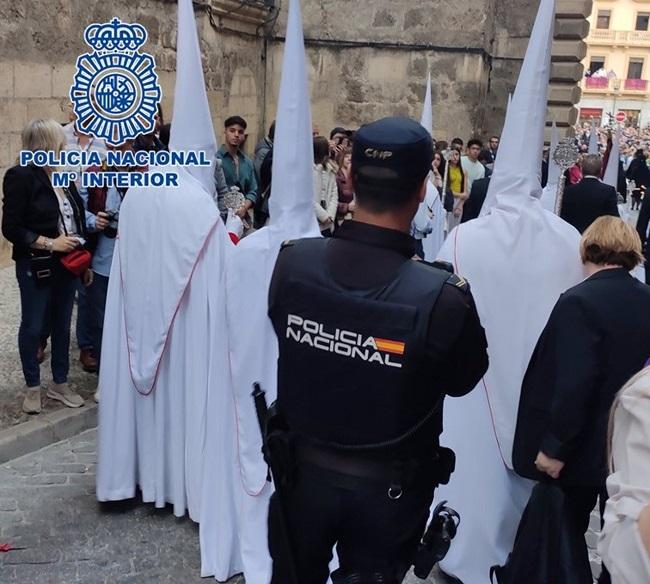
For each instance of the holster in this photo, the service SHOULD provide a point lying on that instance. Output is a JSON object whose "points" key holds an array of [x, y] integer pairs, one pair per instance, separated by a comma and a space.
{"points": [[279, 447], [445, 465]]}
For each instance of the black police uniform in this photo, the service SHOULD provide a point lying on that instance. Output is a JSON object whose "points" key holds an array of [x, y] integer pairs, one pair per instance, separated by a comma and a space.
{"points": [[370, 341]]}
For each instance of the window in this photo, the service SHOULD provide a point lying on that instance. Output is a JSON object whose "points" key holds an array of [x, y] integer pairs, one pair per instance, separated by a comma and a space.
{"points": [[635, 68], [596, 63], [589, 114], [642, 21], [602, 20]]}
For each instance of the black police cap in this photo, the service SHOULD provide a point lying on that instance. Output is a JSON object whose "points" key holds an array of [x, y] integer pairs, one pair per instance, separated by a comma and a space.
{"points": [[395, 150]]}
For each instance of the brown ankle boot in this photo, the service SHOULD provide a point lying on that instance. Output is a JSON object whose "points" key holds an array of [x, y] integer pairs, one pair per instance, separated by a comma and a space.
{"points": [[88, 362]]}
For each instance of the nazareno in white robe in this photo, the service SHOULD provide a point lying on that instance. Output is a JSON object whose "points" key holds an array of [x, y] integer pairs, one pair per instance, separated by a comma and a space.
{"points": [[518, 260], [164, 360]]}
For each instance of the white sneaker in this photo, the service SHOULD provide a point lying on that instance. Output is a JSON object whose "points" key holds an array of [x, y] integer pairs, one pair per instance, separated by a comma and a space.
{"points": [[96, 396], [32, 401], [62, 393]]}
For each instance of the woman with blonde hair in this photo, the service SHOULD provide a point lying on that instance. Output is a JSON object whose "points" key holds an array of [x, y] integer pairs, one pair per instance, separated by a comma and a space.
{"points": [[625, 539], [596, 338], [44, 223]]}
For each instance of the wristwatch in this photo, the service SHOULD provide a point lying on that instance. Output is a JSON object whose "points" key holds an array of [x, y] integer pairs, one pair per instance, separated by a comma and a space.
{"points": [[48, 244]]}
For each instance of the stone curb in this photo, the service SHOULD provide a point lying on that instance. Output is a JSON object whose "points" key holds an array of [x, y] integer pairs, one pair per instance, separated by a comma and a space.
{"points": [[46, 429]]}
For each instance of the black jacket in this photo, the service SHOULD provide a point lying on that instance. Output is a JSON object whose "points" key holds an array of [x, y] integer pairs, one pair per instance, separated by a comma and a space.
{"points": [[31, 208], [644, 219], [621, 183], [585, 202], [544, 177], [473, 205], [597, 337], [639, 172]]}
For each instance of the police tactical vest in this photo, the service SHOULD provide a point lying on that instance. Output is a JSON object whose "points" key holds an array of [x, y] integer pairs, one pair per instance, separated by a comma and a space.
{"points": [[354, 369]]}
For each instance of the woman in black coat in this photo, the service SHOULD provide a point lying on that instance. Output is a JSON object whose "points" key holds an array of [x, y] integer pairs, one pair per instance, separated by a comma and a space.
{"points": [[43, 224], [597, 337]]}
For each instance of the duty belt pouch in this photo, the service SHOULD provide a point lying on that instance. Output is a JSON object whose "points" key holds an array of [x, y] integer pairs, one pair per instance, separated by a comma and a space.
{"points": [[41, 266], [446, 463], [280, 447]]}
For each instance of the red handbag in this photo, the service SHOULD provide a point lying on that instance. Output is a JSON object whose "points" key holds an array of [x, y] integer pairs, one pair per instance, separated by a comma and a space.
{"points": [[77, 261]]}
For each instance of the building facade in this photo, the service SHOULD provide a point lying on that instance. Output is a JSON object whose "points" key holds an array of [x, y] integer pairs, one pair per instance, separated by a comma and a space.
{"points": [[617, 65]]}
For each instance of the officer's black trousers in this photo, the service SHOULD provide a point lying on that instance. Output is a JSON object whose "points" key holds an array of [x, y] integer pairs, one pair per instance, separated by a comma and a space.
{"points": [[375, 537]]}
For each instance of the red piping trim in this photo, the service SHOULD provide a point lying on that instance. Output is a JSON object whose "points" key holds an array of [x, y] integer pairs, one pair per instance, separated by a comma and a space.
{"points": [[171, 322], [485, 388]]}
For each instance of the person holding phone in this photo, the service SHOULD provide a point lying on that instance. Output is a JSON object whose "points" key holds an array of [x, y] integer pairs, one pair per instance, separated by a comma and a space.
{"points": [[339, 142], [44, 223], [103, 205]]}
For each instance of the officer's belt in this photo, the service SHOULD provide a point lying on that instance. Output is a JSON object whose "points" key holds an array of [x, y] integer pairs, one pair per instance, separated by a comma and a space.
{"points": [[358, 467]]}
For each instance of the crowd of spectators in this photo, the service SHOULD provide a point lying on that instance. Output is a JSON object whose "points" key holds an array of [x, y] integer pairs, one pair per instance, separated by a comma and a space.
{"points": [[632, 140], [47, 226], [460, 172]]}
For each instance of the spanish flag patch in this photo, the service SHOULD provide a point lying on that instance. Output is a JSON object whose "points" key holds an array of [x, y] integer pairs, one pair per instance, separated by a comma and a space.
{"points": [[388, 346]]}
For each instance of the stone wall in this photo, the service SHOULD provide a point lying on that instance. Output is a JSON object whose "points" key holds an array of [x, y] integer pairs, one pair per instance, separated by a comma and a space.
{"points": [[40, 42], [367, 59]]}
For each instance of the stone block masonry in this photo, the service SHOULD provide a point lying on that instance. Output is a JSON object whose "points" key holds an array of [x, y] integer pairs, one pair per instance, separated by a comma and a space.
{"points": [[367, 59]]}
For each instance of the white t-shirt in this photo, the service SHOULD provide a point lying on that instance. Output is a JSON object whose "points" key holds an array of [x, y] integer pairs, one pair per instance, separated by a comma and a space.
{"points": [[474, 170]]}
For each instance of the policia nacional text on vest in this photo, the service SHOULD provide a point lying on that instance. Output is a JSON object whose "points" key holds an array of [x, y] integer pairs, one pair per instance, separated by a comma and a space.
{"points": [[365, 357], [372, 342]]}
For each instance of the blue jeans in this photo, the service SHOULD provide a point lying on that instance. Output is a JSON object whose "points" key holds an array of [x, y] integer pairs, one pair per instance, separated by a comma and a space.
{"points": [[37, 305], [84, 318], [96, 295]]}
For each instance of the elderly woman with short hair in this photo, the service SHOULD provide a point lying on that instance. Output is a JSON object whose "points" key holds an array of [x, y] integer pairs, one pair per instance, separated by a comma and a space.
{"points": [[43, 222], [597, 337]]}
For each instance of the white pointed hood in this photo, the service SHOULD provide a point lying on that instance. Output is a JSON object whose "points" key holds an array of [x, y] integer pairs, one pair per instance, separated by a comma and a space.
{"points": [[163, 230], [593, 139], [518, 259], [192, 127], [426, 121], [291, 203], [611, 172], [430, 217], [517, 170], [249, 271]]}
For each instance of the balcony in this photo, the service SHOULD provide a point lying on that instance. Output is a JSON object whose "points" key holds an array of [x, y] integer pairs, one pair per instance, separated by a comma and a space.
{"points": [[636, 85], [597, 83], [614, 86], [627, 38]]}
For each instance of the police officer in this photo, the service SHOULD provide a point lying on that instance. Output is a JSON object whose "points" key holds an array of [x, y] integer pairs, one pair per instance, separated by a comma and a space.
{"points": [[370, 341]]}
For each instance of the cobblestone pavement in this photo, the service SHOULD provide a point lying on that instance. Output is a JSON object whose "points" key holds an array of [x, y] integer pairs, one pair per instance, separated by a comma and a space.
{"points": [[48, 506], [11, 375]]}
